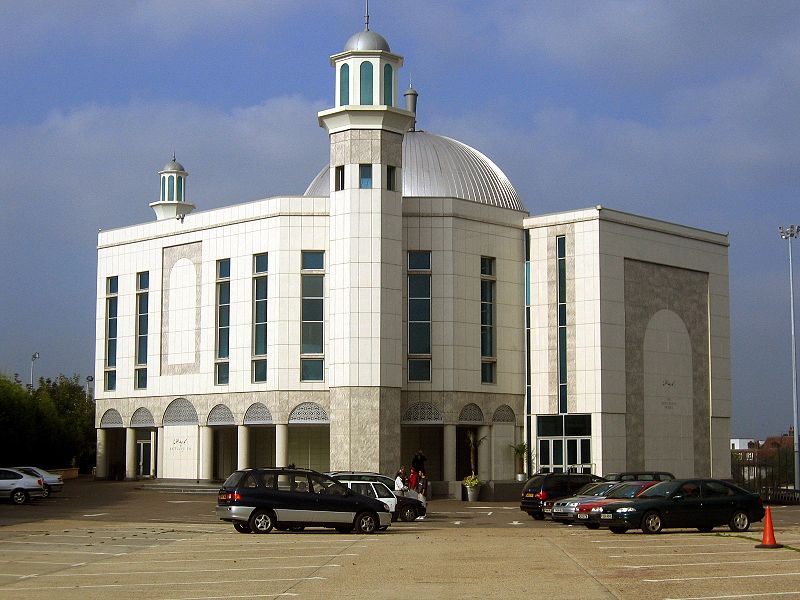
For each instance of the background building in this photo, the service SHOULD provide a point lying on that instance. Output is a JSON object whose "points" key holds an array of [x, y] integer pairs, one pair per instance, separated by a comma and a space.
{"points": [[406, 298]]}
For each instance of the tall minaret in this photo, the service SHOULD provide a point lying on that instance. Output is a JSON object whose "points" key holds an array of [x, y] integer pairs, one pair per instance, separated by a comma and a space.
{"points": [[172, 201], [366, 255]]}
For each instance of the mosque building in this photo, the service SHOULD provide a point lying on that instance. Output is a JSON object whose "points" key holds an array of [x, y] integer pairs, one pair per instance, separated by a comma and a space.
{"points": [[404, 301]]}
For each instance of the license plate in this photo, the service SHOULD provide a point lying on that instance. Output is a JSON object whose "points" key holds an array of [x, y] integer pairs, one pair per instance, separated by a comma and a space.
{"points": [[529, 495], [547, 510], [559, 509], [583, 516], [606, 516]]}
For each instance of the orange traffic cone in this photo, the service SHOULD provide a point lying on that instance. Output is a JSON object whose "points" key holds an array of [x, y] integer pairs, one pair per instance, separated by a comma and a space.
{"points": [[768, 539]]}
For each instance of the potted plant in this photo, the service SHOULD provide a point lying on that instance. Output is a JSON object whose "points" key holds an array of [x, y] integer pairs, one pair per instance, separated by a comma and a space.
{"points": [[520, 452], [473, 485]]}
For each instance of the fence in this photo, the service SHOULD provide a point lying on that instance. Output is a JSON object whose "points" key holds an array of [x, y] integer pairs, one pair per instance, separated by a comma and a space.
{"points": [[774, 482]]}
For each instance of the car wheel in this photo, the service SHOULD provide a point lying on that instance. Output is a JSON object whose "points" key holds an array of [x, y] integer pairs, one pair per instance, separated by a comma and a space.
{"points": [[242, 527], [46, 491], [366, 522], [705, 528], [740, 521], [408, 513], [651, 522], [618, 529], [19, 496], [592, 526], [261, 521]]}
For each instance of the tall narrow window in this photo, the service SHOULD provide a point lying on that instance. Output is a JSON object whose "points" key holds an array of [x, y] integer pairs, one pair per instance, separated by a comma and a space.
{"points": [[391, 178], [140, 371], [163, 188], [344, 85], [260, 267], [312, 333], [221, 365], [110, 374], [388, 84], [561, 258], [365, 176], [366, 83], [179, 195], [419, 316], [171, 188], [338, 178], [488, 356]]}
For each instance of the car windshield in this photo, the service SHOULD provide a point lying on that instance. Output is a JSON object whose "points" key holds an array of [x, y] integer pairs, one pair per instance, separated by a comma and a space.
{"points": [[660, 490], [625, 491], [327, 485]]}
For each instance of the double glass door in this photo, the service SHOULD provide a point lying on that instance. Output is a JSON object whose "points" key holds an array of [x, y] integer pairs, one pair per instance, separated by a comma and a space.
{"points": [[561, 454]]}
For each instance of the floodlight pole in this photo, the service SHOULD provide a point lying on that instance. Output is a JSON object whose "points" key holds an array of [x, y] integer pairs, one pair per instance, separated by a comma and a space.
{"points": [[34, 356], [791, 232]]}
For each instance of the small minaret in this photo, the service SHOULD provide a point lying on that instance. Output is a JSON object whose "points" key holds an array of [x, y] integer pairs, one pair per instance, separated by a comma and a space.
{"points": [[172, 203], [366, 265]]}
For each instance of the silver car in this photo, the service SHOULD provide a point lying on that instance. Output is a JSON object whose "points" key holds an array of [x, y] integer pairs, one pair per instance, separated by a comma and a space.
{"points": [[20, 487], [51, 481]]}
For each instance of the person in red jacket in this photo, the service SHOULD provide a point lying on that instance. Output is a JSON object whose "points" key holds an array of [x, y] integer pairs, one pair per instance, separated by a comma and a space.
{"points": [[412, 479]]}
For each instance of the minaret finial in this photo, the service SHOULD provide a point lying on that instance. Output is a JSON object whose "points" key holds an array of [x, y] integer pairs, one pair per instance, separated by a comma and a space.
{"points": [[366, 15], [173, 155]]}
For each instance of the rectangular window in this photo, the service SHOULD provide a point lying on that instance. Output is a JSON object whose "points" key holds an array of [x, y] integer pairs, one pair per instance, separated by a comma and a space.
{"points": [[561, 258], [260, 266], [312, 316], [391, 178], [365, 177], [140, 371], [488, 356], [338, 178], [419, 316], [110, 376], [222, 368]]}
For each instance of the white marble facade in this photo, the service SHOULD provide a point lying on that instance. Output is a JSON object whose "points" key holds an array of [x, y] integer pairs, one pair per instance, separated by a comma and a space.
{"points": [[638, 374]]}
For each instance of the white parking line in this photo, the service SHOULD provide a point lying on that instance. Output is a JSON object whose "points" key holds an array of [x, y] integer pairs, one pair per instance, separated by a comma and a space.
{"points": [[637, 548], [96, 515], [760, 575], [737, 596], [216, 560], [705, 564], [169, 583], [164, 572], [229, 596], [73, 544], [725, 552]]}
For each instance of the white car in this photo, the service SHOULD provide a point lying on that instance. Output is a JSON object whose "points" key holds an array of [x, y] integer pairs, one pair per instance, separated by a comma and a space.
{"points": [[51, 481], [404, 508], [20, 487]]}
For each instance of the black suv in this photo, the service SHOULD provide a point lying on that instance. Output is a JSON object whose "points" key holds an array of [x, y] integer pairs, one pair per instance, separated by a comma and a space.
{"points": [[541, 490], [640, 476], [256, 500]]}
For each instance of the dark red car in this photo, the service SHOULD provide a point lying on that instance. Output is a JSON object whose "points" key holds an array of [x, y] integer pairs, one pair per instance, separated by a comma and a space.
{"points": [[588, 512]]}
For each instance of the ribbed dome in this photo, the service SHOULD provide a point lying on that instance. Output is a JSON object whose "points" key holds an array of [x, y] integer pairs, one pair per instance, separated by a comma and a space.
{"points": [[173, 165], [367, 40], [435, 166]]}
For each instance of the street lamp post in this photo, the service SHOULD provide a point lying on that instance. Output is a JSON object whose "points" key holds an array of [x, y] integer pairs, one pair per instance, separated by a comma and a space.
{"points": [[34, 356], [791, 232]]}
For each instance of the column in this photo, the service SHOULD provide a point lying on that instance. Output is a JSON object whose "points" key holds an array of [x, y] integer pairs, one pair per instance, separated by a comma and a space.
{"points": [[160, 453], [485, 453], [153, 453], [130, 453], [206, 452], [101, 467], [449, 452], [243, 446], [281, 444]]}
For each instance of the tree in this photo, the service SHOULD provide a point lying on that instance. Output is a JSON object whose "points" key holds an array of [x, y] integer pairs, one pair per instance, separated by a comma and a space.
{"points": [[473, 441]]}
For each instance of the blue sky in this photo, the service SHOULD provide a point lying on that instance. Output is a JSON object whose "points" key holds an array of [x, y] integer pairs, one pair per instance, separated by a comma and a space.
{"points": [[683, 111]]}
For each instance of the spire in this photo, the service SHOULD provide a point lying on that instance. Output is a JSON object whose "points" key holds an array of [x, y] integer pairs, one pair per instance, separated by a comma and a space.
{"points": [[366, 15]]}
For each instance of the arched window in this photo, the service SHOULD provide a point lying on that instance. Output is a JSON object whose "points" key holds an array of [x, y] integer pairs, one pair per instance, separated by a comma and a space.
{"points": [[344, 85], [163, 188], [180, 189], [387, 85], [171, 187], [366, 82]]}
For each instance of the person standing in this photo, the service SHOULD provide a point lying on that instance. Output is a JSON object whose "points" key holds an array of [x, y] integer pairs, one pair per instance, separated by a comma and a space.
{"points": [[422, 489], [412, 479], [400, 480]]}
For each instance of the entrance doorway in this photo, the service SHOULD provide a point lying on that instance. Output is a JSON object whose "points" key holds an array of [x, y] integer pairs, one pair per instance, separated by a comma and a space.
{"points": [[144, 458]]}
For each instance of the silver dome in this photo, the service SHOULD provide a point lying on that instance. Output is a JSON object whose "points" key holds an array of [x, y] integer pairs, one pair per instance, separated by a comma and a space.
{"points": [[367, 40], [173, 165], [435, 166]]}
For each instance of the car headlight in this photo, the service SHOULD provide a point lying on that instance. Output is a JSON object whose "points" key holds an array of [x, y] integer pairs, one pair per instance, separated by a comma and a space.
{"points": [[386, 506], [626, 509], [572, 504]]}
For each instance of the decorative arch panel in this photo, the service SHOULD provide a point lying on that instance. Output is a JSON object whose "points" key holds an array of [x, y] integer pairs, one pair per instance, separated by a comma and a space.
{"points": [[180, 412], [142, 418], [257, 414], [471, 414], [423, 413], [221, 415], [504, 414], [111, 418], [309, 412]]}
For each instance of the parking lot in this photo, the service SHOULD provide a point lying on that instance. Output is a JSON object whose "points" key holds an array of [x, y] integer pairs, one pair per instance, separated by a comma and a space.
{"points": [[105, 539]]}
